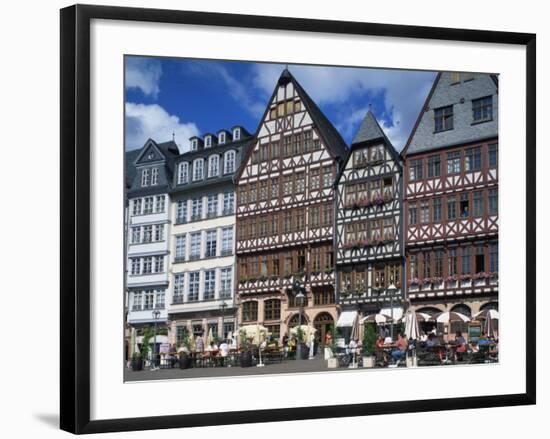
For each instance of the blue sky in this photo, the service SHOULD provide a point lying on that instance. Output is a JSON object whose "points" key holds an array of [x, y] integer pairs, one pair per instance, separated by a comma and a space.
{"points": [[192, 97]]}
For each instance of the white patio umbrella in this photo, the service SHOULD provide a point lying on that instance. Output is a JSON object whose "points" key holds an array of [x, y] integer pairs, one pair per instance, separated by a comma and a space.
{"points": [[451, 317], [253, 332], [209, 337], [420, 317], [487, 314], [379, 319], [489, 328], [411, 326]]}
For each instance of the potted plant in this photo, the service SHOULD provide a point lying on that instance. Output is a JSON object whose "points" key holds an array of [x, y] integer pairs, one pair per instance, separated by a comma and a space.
{"points": [[137, 362], [246, 354], [369, 341], [301, 338]]}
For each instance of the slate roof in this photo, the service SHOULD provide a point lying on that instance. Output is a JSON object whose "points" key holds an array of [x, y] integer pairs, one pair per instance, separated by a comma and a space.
{"points": [[369, 130]]}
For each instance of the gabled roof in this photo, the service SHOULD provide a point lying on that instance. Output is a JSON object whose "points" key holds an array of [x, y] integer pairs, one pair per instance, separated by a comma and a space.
{"points": [[331, 136], [369, 130]]}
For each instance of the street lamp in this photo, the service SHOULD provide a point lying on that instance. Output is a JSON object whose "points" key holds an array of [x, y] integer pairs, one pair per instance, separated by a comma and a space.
{"points": [[299, 298], [223, 306], [156, 316], [391, 291]]}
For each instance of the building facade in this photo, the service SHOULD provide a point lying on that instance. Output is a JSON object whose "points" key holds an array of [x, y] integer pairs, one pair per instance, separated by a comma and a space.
{"points": [[202, 239], [149, 173], [369, 229], [451, 197], [285, 201]]}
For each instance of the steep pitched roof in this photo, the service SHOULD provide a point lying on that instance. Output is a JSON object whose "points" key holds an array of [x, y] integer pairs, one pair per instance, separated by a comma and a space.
{"points": [[330, 135], [369, 130]]}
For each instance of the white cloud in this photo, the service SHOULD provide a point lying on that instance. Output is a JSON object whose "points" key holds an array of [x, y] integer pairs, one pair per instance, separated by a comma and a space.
{"points": [[402, 94], [143, 74], [152, 121]]}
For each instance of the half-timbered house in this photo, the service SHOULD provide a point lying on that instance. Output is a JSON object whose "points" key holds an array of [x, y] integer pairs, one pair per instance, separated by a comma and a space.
{"points": [[369, 238], [451, 196], [285, 214]]}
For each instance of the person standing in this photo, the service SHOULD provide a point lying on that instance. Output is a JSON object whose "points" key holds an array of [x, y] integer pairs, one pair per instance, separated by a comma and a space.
{"points": [[200, 344]]}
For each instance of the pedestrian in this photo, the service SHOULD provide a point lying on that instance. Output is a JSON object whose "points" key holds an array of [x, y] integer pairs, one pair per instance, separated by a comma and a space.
{"points": [[224, 351]]}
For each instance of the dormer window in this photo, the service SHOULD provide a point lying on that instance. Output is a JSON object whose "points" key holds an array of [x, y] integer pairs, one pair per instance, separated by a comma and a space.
{"points": [[236, 133], [183, 173], [154, 176], [213, 166], [198, 169], [194, 144], [208, 141], [221, 138], [145, 177], [229, 162]]}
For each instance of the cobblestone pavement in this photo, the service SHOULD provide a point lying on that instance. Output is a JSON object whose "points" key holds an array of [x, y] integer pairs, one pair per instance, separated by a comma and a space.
{"points": [[318, 364]]}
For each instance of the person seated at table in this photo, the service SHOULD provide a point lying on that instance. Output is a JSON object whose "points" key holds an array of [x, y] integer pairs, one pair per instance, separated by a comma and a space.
{"points": [[379, 344], [423, 337], [401, 350], [483, 340], [432, 340], [460, 343]]}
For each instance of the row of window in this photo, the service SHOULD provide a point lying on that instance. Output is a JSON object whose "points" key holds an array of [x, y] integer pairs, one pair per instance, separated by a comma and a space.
{"points": [[383, 275], [482, 111], [374, 229], [198, 329], [272, 309], [292, 184], [196, 170], [203, 244], [368, 155], [211, 140], [469, 160], [148, 205], [464, 260], [146, 265], [288, 221], [202, 207], [149, 177], [465, 205], [369, 190], [285, 108], [187, 286], [146, 234], [286, 263], [145, 300], [289, 146]]}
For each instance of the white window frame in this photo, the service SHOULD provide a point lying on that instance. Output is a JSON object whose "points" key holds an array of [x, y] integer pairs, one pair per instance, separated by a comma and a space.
{"points": [[198, 171], [194, 286], [160, 204], [213, 165], [227, 241], [195, 241], [183, 172], [136, 235], [196, 208], [209, 285], [154, 176], [226, 281], [236, 134], [181, 211], [180, 247], [148, 205], [208, 141], [159, 232], [194, 144], [229, 161], [144, 177], [179, 285], [221, 138], [212, 205], [211, 249], [228, 202], [136, 207]]}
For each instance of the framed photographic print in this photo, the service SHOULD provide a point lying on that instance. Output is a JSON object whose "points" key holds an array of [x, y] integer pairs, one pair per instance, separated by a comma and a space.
{"points": [[258, 212]]}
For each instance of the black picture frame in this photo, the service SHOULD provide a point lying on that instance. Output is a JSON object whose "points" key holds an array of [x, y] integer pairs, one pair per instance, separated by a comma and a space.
{"points": [[75, 217]]}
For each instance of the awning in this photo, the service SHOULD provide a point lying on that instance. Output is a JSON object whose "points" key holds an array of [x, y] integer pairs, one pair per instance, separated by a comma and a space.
{"points": [[346, 319], [397, 312]]}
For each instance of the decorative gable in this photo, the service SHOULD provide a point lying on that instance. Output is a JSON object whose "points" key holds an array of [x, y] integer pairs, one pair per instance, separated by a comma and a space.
{"points": [[150, 153]]}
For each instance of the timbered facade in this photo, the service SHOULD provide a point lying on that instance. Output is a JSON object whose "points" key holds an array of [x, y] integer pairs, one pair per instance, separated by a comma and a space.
{"points": [[451, 196], [369, 229], [285, 213]]}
